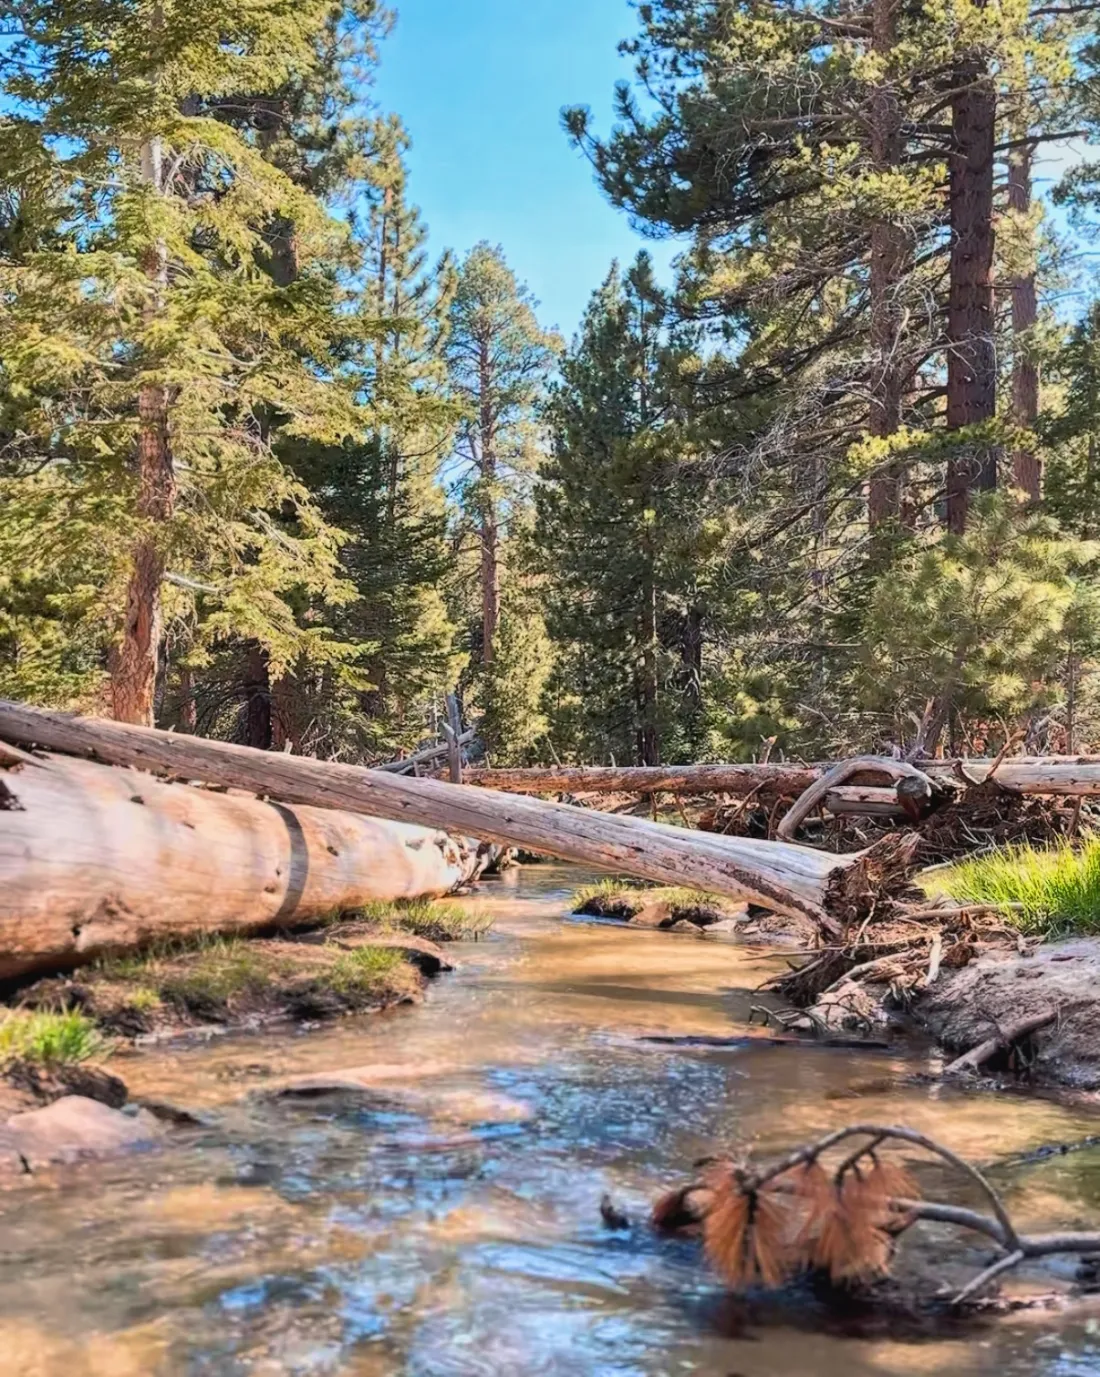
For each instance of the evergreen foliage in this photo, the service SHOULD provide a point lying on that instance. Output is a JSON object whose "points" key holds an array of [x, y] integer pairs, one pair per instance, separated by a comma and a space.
{"points": [[270, 470]]}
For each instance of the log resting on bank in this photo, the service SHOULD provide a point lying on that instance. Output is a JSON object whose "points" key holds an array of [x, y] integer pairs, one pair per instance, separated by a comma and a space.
{"points": [[787, 878], [96, 860], [1056, 775]]}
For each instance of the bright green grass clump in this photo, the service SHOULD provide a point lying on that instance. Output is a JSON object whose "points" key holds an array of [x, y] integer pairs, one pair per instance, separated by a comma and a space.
{"points": [[438, 922], [369, 970], [1055, 892], [50, 1039]]}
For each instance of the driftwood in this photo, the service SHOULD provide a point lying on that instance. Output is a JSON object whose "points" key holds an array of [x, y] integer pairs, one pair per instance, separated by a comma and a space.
{"points": [[1072, 776], [96, 860], [771, 780], [831, 890], [426, 756], [817, 792], [1004, 1039]]}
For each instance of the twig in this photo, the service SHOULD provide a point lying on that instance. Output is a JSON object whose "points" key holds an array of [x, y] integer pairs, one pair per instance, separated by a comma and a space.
{"points": [[1004, 1264]]}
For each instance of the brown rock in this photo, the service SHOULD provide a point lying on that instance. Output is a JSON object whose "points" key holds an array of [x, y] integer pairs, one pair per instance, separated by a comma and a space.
{"points": [[684, 926], [73, 1128], [654, 916]]}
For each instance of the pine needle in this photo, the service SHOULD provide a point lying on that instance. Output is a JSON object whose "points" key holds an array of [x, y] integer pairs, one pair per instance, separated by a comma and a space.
{"points": [[747, 1234]]}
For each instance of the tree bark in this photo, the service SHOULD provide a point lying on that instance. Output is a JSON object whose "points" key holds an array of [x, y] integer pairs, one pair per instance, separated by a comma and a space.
{"points": [[1068, 776], [971, 358], [134, 659], [649, 742], [786, 878], [257, 699], [889, 256], [490, 528], [1027, 472], [95, 861]]}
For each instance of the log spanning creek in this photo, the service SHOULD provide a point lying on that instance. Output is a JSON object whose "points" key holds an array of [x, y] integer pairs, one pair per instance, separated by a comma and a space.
{"points": [[433, 1207]]}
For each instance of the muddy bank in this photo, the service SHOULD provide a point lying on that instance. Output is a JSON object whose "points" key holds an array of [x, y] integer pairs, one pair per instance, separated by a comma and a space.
{"points": [[966, 1007], [355, 966]]}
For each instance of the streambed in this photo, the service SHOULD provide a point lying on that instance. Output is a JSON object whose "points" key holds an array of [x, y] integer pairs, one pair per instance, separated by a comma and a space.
{"points": [[447, 1220]]}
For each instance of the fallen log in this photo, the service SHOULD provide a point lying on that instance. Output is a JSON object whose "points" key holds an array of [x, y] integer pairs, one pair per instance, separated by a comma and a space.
{"points": [[772, 780], [425, 756], [831, 890], [96, 861], [1067, 776]]}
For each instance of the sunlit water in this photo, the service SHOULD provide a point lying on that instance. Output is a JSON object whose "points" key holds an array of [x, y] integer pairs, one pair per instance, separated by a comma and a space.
{"points": [[448, 1222]]}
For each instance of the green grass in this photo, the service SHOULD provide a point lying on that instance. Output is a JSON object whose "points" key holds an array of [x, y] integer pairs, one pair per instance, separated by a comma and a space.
{"points": [[216, 971], [49, 1039], [436, 921], [616, 899], [370, 970], [1058, 890]]}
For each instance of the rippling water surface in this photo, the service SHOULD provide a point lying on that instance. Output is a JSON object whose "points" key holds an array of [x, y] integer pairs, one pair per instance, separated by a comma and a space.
{"points": [[447, 1221]]}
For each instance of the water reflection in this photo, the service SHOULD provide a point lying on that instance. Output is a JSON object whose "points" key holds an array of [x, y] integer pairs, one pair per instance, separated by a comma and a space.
{"points": [[444, 1220]]}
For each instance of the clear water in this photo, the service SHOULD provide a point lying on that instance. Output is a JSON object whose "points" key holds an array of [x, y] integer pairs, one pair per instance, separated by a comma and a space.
{"points": [[448, 1222]]}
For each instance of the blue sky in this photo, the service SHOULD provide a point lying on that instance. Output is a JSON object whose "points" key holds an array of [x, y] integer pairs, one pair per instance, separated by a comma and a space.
{"points": [[479, 85]]}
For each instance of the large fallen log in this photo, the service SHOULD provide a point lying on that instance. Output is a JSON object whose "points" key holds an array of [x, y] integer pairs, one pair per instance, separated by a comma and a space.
{"points": [[831, 890], [96, 860], [771, 780], [1055, 775]]}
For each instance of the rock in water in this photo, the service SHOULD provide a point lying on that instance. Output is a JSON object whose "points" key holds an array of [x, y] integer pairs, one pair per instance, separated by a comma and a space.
{"points": [[75, 1127]]}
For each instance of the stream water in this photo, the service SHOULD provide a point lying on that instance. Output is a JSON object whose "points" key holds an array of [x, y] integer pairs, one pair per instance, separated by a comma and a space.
{"points": [[448, 1222]]}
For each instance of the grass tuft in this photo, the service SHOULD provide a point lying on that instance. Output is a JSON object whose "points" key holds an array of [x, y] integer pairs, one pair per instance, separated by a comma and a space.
{"points": [[1058, 890], [435, 921], [614, 899], [368, 970], [49, 1039]]}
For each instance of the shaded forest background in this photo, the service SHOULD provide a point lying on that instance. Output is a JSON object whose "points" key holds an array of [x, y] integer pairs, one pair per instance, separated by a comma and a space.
{"points": [[273, 471]]}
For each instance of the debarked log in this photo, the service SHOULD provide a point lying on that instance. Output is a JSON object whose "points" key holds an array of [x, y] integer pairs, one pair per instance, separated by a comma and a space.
{"points": [[832, 890], [1058, 776], [95, 860]]}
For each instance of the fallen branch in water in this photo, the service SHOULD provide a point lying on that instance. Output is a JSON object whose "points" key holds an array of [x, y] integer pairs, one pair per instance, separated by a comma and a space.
{"points": [[766, 1225], [1004, 1039]]}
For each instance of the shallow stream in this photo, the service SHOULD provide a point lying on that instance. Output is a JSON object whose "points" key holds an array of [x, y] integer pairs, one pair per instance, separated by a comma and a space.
{"points": [[448, 1222]]}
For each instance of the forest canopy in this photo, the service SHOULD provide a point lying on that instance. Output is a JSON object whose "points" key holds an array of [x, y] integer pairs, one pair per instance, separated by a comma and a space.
{"points": [[275, 470]]}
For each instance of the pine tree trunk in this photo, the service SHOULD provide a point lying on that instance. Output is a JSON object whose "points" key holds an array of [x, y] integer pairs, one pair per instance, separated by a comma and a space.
{"points": [[189, 714], [133, 662], [889, 256], [490, 530], [649, 744], [257, 695], [971, 358], [1027, 473]]}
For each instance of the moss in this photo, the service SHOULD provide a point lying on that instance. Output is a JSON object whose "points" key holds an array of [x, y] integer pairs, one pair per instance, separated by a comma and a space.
{"points": [[49, 1039], [1045, 892]]}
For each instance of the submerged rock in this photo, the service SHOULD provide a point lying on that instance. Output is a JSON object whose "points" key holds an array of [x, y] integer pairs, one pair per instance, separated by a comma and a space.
{"points": [[73, 1128]]}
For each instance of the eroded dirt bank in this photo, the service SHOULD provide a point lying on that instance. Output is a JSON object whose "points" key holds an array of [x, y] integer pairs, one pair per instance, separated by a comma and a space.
{"points": [[965, 1007]]}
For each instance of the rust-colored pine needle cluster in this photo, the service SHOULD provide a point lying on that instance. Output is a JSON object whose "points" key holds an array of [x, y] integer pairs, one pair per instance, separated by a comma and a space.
{"points": [[765, 1231]]}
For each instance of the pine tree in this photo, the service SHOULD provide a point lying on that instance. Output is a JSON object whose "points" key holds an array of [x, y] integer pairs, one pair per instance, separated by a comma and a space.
{"points": [[623, 529], [145, 345], [382, 488], [499, 359]]}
